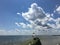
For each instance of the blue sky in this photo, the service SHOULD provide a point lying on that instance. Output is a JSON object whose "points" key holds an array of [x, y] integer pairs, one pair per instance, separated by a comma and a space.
{"points": [[10, 8]]}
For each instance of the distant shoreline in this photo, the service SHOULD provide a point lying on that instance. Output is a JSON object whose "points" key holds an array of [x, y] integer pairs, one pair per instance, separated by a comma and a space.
{"points": [[29, 35]]}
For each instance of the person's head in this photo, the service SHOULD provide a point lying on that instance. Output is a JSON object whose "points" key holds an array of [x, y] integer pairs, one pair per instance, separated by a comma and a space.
{"points": [[34, 38]]}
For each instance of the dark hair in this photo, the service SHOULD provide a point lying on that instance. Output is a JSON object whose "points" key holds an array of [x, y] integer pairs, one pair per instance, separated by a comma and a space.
{"points": [[34, 38]]}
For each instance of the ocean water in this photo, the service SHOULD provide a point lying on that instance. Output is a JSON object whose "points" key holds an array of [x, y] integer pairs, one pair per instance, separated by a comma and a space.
{"points": [[17, 40], [13, 40]]}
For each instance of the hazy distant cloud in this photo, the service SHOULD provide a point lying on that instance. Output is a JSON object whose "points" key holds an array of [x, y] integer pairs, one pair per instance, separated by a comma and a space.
{"points": [[9, 32], [29, 32]]}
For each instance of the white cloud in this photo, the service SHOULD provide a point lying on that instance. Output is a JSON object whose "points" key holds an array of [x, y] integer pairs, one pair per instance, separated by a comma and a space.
{"points": [[57, 10], [40, 22], [23, 25], [37, 15], [18, 13], [18, 32], [17, 24], [52, 14], [58, 23], [9, 32], [34, 13]]}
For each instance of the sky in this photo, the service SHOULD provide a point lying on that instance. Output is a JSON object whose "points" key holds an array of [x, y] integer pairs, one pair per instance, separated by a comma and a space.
{"points": [[23, 17]]}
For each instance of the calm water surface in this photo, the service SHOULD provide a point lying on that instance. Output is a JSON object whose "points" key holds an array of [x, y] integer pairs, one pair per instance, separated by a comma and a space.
{"points": [[17, 40]]}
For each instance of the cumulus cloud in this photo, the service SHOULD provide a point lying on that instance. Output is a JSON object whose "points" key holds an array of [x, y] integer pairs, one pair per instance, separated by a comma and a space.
{"points": [[40, 21], [57, 10], [58, 23], [36, 15]]}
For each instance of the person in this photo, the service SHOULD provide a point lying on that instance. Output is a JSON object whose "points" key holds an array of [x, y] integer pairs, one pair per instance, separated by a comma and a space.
{"points": [[36, 41]]}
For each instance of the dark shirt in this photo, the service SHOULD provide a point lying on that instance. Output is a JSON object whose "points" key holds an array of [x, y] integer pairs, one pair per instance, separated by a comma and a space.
{"points": [[36, 41]]}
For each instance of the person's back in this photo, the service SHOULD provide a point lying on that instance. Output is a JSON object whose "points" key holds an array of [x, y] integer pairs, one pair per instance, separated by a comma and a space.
{"points": [[36, 41]]}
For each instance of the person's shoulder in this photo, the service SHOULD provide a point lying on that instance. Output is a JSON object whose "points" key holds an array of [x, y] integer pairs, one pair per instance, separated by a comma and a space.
{"points": [[35, 41]]}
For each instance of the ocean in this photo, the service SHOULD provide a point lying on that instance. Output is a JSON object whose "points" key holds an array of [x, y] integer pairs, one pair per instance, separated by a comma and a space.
{"points": [[13, 40], [18, 40]]}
